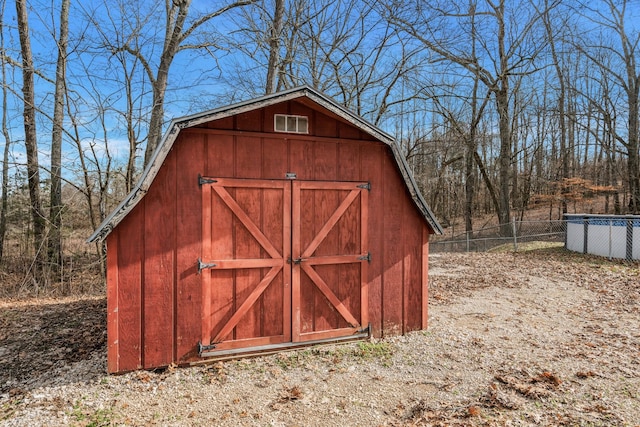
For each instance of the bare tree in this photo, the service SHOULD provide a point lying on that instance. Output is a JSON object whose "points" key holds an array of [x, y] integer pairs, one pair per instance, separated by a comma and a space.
{"points": [[177, 31], [118, 88], [623, 49], [443, 27], [343, 48], [7, 139], [551, 30], [31, 141], [55, 214], [274, 66], [180, 32]]}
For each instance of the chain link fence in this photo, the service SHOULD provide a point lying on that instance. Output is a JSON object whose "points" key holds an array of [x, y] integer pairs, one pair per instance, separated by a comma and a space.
{"points": [[511, 235], [607, 236]]}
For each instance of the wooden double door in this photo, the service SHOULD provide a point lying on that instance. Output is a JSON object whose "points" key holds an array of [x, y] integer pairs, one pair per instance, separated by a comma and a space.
{"points": [[284, 262]]}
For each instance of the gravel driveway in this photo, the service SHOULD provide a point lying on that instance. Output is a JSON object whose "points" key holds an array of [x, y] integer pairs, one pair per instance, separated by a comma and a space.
{"points": [[533, 338]]}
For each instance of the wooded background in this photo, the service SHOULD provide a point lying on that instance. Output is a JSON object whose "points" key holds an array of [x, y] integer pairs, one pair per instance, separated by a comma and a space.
{"points": [[498, 105]]}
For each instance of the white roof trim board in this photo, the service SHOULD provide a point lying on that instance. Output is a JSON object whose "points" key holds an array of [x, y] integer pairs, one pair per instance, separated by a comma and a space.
{"points": [[178, 124]]}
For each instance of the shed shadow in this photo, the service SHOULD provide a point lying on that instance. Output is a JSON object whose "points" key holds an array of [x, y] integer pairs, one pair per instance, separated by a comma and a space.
{"points": [[41, 340]]}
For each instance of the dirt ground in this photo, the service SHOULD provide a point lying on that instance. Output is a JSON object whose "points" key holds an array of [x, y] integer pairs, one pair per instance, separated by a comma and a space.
{"points": [[543, 337]]}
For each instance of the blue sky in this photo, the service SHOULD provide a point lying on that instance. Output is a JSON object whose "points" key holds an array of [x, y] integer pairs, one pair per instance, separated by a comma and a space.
{"points": [[197, 82]]}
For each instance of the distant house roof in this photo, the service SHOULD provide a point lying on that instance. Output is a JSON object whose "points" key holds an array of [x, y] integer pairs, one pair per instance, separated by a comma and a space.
{"points": [[178, 124]]}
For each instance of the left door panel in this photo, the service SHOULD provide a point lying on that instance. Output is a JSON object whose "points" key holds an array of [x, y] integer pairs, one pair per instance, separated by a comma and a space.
{"points": [[246, 282]]}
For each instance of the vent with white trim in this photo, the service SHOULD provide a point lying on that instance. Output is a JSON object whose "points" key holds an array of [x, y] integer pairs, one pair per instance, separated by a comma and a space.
{"points": [[289, 123]]}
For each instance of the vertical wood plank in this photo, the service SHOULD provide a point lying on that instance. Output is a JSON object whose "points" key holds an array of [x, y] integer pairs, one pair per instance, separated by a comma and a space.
{"points": [[301, 159], [224, 123], [206, 321], [250, 201], [287, 311], [412, 240], [372, 156], [392, 304], [189, 243], [249, 166], [348, 131], [248, 157], [249, 121], [275, 166], [349, 169], [113, 346], [349, 161], [273, 297], [130, 249], [306, 232], [325, 161], [325, 203], [348, 286], [220, 155], [324, 125], [222, 247], [364, 266], [425, 276], [220, 162], [295, 270], [274, 158], [159, 227]]}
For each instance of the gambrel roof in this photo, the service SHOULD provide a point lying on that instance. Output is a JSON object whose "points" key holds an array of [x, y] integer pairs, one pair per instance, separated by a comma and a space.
{"points": [[299, 93]]}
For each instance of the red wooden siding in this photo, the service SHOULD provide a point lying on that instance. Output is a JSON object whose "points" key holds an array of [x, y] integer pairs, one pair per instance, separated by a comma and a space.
{"points": [[126, 333], [154, 291], [190, 160], [159, 267]]}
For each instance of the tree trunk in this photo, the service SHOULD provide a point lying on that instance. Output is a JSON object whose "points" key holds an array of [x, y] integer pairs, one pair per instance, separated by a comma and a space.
{"points": [[487, 181], [274, 47], [471, 143], [633, 147], [562, 121], [504, 162], [55, 213], [175, 34], [502, 105], [31, 142], [7, 145]]}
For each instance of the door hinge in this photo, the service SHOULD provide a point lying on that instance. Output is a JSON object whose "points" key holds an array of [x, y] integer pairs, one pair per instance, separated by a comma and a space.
{"points": [[203, 266], [202, 180], [366, 186], [366, 330], [366, 257], [203, 348]]}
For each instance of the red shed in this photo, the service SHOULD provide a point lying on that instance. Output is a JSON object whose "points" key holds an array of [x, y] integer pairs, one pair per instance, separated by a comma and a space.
{"points": [[273, 223]]}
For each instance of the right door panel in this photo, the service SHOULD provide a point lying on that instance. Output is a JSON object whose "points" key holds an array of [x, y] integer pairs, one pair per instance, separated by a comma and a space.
{"points": [[329, 259]]}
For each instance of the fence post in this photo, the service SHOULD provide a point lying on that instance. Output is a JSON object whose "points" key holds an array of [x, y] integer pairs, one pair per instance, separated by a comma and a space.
{"points": [[610, 235], [585, 230], [468, 241], [629, 248], [515, 235]]}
